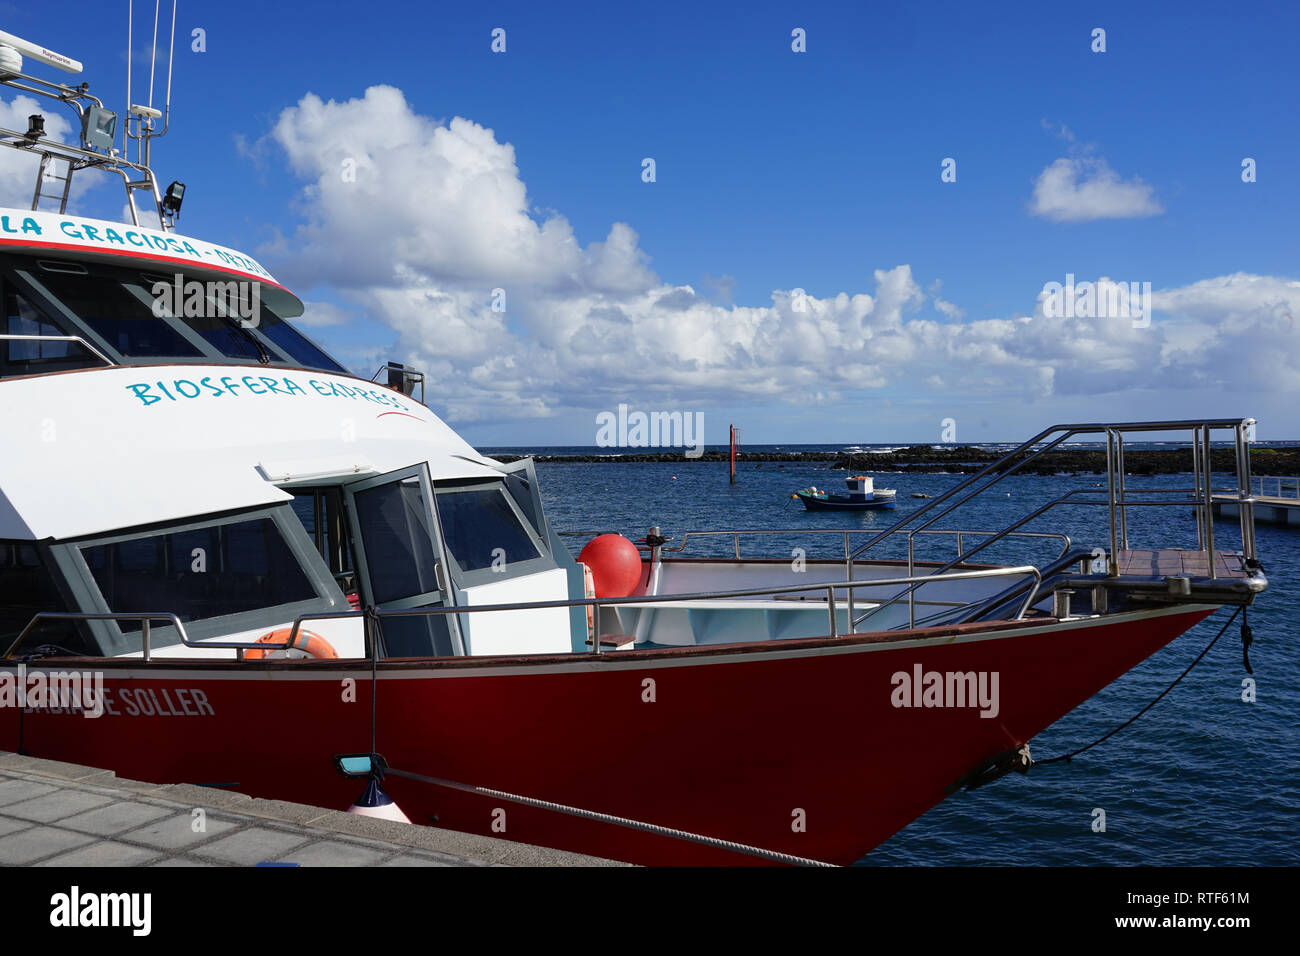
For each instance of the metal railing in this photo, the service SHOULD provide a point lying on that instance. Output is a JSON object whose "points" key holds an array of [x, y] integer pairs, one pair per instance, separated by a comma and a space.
{"points": [[78, 157], [402, 378], [845, 534], [959, 534], [146, 621], [1283, 487], [1031, 573], [6, 337], [1117, 500]]}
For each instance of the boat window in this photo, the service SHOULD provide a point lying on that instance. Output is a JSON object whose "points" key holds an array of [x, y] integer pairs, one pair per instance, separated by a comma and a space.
{"points": [[27, 587], [120, 317], [517, 483], [28, 356], [117, 304], [482, 530], [217, 569], [400, 559], [294, 344], [224, 333], [321, 512]]}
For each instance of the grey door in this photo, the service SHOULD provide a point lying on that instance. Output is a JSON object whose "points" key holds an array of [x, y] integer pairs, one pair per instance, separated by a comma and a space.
{"points": [[400, 561]]}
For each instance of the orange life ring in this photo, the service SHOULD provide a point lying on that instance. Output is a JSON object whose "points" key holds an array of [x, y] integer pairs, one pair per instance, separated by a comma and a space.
{"points": [[313, 645]]}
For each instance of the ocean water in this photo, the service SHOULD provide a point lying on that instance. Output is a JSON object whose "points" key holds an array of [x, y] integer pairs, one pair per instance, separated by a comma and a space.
{"points": [[1202, 779]]}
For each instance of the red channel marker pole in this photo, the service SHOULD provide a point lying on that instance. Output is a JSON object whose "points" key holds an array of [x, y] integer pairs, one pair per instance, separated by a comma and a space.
{"points": [[733, 454]]}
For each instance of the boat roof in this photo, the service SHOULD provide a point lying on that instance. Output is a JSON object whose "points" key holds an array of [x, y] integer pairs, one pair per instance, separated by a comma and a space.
{"points": [[128, 445], [30, 232]]}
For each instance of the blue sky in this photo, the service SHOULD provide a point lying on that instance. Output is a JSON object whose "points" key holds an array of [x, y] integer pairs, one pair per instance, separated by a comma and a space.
{"points": [[775, 171]]}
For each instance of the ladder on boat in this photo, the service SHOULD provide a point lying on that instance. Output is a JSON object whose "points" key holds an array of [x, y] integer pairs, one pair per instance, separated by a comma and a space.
{"points": [[46, 174]]}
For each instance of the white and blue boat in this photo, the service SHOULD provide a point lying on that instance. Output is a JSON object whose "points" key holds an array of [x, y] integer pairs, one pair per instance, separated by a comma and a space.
{"points": [[862, 496]]}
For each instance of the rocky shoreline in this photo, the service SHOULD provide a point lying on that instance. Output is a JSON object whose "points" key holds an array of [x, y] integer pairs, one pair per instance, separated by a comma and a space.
{"points": [[965, 459]]}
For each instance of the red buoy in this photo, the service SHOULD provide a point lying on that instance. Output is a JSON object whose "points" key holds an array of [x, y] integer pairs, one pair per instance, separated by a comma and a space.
{"points": [[615, 565]]}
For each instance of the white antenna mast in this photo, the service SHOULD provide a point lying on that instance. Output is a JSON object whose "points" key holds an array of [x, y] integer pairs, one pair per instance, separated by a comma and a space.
{"points": [[171, 58], [143, 115], [153, 50], [130, 39], [139, 125]]}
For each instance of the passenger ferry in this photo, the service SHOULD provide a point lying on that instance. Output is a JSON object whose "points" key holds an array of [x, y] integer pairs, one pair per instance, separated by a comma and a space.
{"points": [[243, 566]]}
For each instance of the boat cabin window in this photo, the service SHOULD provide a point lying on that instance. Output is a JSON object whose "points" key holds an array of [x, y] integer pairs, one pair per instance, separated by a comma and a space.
{"points": [[27, 587], [120, 317], [322, 515], [294, 344], [519, 485], [112, 308], [223, 332], [41, 350], [236, 573], [481, 528]]}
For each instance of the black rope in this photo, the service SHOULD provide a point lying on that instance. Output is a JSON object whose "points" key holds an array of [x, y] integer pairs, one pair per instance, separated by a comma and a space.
{"points": [[1247, 638], [1068, 757], [372, 630]]}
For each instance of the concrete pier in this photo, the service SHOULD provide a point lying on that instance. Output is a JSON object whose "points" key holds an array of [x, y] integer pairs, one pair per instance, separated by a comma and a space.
{"points": [[60, 814], [1284, 511]]}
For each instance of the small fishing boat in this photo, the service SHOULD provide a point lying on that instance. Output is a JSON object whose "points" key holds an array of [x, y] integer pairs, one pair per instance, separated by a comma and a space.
{"points": [[861, 496]]}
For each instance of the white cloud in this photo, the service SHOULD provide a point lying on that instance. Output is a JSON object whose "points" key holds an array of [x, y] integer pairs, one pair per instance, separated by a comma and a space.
{"points": [[18, 169], [1084, 188], [438, 218], [948, 309]]}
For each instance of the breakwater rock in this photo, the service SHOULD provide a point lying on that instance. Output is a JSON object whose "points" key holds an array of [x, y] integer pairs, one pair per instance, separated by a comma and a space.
{"points": [[965, 459]]}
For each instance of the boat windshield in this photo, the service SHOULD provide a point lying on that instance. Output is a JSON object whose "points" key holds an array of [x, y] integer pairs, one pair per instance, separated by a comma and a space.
{"points": [[113, 310]]}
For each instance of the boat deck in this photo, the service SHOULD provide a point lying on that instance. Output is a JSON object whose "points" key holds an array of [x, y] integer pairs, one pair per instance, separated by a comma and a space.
{"points": [[1161, 563]]}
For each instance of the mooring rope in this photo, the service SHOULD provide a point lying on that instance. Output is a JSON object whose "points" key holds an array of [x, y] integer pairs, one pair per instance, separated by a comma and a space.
{"points": [[773, 855], [1068, 757]]}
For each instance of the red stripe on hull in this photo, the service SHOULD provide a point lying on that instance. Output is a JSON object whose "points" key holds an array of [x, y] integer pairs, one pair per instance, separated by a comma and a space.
{"points": [[734, 748]]}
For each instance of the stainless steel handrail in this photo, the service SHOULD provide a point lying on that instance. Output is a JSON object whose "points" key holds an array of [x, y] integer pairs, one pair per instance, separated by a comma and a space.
{"points": [[845, 533], [829, 587], [1063, 499], [996, 471], [1292, 484], [911, 592], [6, 337], [145, 621], [960, 533], [79, 157]]}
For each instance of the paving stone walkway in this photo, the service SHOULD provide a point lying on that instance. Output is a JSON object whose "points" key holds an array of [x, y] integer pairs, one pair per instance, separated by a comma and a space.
{"points": [[60, 814]]}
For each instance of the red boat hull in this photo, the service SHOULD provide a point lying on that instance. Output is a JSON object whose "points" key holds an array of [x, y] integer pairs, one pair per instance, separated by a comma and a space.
{"points": [[796, 746]]}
